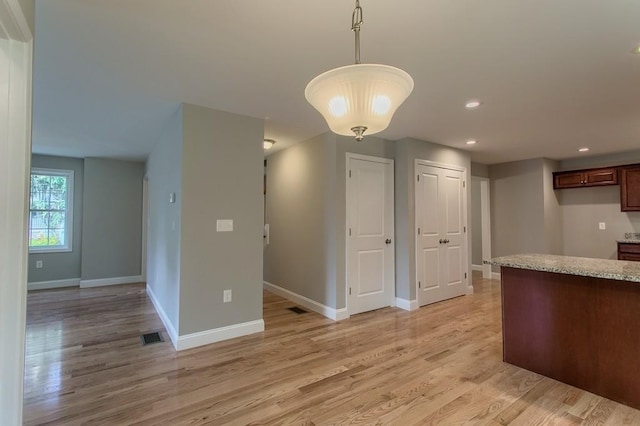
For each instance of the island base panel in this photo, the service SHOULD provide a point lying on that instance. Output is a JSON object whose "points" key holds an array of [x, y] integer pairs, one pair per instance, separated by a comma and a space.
{"points": [[579, 330]]}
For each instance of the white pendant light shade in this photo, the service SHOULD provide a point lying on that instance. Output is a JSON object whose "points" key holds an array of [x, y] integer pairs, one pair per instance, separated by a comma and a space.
{"points": [[359, 97]]}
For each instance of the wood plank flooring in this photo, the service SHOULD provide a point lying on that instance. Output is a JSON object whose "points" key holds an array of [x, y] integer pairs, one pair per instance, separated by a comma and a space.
{"points": [[441, 364]]}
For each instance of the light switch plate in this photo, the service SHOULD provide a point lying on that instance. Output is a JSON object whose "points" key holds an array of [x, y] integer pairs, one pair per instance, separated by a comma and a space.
{"points": [[602, 226], [38, 264], [224, 225]]}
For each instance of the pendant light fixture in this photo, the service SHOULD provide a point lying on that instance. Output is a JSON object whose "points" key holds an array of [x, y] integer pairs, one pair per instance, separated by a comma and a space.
{"points": [[359, 98]]}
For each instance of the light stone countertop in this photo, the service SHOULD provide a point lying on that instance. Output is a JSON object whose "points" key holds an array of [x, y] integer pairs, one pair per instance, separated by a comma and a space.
{"points": [[598, 268], [629, 241]]}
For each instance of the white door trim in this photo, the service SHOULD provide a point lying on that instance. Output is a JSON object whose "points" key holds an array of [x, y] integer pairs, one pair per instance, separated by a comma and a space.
{"points": [[145, 227], [485, 207], [467, 263], [15, 162], [440, 165], [391, 162]]}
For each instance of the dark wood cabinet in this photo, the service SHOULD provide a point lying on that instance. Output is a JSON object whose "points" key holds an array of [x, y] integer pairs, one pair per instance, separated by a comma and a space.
{"points": [[629, 251], [585, 178], [630, 188]]}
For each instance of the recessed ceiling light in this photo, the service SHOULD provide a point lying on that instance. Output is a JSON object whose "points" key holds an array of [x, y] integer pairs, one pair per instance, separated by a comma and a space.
{"points": [[472, 142], [268, 143], [585, 149], [474, 103]]}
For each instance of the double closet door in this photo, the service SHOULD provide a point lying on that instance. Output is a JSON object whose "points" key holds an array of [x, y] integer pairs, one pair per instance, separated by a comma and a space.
{"points": [[441, 234]]}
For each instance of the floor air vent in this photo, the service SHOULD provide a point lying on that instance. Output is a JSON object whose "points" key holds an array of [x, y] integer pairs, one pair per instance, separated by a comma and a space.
{"points": [[150, 338], [298, 310]]}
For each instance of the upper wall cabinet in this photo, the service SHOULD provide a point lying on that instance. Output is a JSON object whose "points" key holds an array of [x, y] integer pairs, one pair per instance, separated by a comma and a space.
{"points": [[584, 178], [630, 188]]}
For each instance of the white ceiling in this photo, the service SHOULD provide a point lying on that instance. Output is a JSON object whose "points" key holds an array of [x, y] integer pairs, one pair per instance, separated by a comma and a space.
{"points": [[553, 75]]}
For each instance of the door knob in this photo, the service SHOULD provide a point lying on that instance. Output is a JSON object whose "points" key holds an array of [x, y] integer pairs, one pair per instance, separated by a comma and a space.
{"points": [[441, 241], [446, 241], [387, 241]]}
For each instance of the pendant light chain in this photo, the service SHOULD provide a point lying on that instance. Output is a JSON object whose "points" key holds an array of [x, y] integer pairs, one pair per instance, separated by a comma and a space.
{"points": [[356, 21]]}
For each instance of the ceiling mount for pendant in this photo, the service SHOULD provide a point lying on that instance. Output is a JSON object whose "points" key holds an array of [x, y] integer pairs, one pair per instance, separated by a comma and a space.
{"points": [[359, 98]]}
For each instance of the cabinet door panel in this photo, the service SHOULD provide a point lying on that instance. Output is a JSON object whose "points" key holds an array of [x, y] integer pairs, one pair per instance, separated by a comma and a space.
{"points": [[601, 177], [630, 189], [567, 180]]}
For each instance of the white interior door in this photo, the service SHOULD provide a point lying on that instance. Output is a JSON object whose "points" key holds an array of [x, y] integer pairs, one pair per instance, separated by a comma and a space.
{"points": [[370, 234], [441, 234]]}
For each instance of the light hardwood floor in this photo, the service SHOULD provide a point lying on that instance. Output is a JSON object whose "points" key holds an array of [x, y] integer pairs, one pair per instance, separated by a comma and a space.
{"points": [[441, 364]]}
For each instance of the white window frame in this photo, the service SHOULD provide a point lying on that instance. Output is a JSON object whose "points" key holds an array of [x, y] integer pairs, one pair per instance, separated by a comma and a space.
{"points": [[68, 226]]}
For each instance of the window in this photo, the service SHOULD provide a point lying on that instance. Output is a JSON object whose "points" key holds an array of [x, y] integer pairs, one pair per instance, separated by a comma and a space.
{"points": [[51, 210]]}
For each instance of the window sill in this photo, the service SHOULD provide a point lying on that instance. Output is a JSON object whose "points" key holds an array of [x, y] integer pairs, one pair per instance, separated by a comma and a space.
{"points": [[49, 250]]}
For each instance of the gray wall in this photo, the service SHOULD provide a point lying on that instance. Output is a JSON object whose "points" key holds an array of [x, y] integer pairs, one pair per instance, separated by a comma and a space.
{"points": [[164, 175], [476, 223], [529, 216], [300, 206], [222, 178], [583, 209], [517, 208], [406, 152], [65, 265], [28, 9], [479, 170], [553, 219], [306, 212], [112, 218]]}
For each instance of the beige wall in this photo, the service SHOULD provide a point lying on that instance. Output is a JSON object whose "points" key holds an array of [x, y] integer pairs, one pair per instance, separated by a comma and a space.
{"points": [[222, 178]]}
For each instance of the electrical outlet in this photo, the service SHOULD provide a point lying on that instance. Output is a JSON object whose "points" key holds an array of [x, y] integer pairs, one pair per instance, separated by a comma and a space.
{"points": [[38, 264], [226, 296], [602, 226]]}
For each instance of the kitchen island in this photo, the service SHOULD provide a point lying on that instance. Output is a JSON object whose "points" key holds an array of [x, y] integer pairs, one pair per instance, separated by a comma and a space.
{"points": [[576, 320]]}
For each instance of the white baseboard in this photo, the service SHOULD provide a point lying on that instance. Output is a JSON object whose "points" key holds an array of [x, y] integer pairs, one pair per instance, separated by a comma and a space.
{"points": [[163, 317], [476, 267], [334, 314], [202, 338], [407, 305], [110, 281], [44, 285], [495, 275]]}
